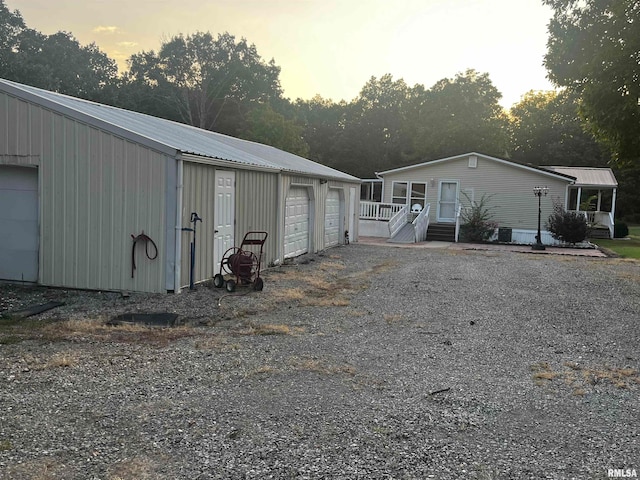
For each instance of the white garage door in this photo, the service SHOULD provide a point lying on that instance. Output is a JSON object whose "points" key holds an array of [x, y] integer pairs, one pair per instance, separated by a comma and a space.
{"points": [[296, 222], [332, 219], [19, 220]]}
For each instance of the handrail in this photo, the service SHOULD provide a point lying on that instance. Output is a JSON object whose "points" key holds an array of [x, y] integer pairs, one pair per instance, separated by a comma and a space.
{"points": [[398, 221], [378, 210], [421, 224], [458, 214]]}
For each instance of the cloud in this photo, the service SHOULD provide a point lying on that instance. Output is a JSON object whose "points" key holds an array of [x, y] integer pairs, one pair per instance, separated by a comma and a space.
{"points": [[106, 29], [127, 44]]}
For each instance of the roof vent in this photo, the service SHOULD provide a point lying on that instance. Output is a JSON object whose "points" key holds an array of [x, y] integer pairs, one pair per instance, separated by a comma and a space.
{"points": [[473, 161]]}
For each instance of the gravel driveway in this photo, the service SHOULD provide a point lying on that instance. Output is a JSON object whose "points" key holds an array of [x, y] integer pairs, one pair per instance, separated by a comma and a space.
{"points": [[366, 362]]}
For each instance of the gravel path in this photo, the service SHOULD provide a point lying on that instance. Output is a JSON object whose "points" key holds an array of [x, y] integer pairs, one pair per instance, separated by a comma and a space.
{"points": [[366, 362]]}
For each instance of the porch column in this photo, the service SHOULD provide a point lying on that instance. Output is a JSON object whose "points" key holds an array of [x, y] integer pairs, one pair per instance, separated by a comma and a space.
{"points": [[613, 205], [579, 199], [599, 200]]}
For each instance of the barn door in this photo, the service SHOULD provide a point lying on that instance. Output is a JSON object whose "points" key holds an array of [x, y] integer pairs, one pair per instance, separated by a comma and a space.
{"points": [[19, 239], [224, 211]]}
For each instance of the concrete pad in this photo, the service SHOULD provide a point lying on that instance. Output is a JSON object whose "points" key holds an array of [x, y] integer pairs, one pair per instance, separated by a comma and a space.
{"points": [[582, 252]]}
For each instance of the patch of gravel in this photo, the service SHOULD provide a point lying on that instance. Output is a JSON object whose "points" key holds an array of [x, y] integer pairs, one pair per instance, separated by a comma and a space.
{"points": [[365, 362]]}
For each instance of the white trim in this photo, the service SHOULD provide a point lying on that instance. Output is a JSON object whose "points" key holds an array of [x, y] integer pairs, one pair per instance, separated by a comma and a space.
{"points": [[447, 219]]}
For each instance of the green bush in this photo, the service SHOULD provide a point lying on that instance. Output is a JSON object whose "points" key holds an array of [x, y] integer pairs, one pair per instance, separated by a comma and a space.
{"points": [[620, 230], [477, 225], [569, 227]]}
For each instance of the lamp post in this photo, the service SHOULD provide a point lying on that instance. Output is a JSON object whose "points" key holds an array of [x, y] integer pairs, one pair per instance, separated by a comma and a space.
{"points": [[538, 192]]}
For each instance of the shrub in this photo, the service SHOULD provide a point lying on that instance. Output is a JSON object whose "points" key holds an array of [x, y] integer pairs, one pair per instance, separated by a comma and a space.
{"points": [[569, 227], [477, 225], [620, 230]]}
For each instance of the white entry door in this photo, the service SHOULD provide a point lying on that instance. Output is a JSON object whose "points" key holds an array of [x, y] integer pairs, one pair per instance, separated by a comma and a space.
{"points": [[447, 201], [19, 223], [225, 214], [296, 222], [332, 219]]}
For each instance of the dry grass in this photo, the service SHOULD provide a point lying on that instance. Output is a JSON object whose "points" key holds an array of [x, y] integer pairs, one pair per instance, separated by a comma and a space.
{"points": [[219, 343], [268, 329], [89, 329], [582, 379], [39, 469], [392, 318], [139, 468], [318, 366]]}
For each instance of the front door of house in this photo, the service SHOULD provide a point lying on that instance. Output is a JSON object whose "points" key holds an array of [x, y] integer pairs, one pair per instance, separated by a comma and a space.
{"points": [[447, 201]]}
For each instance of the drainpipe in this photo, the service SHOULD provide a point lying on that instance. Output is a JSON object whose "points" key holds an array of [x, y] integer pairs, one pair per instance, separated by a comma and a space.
{"points": [[280, 219], [178, 253]]}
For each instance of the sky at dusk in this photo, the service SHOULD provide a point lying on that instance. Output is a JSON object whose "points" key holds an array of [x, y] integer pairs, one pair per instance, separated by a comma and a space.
{"points": [[328, 47]]}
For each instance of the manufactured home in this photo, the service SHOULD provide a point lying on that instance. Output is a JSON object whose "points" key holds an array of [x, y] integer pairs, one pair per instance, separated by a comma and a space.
{"points": [[426, 201], [81, 181]]}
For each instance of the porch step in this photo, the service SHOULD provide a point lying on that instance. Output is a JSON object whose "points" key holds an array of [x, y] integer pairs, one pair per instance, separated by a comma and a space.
{"points": [[405, 235], [442, 232], [599, 232]]}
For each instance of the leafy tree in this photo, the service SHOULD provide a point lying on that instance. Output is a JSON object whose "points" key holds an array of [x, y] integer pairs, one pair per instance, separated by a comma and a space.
{"points": [[271, 128], [593, 51], [373, 135], [461, 115], [322, 121], [54, 62], [546, 129], [207, 82], [11, 28]]}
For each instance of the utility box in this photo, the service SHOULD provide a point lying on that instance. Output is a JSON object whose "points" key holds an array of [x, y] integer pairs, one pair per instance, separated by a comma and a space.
{"points": [[504, 235]]}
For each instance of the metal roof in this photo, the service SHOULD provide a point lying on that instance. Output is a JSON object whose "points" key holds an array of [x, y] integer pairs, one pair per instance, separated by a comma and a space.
{"points": [[169, 136], [542, 170], [589, 176]]}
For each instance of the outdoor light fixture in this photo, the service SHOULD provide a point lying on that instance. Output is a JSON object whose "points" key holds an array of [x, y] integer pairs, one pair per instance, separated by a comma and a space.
{"points": [[538, 192]]}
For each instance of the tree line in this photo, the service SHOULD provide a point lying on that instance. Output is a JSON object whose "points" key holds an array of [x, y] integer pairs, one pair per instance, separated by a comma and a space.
{"points": [[220, 83]]}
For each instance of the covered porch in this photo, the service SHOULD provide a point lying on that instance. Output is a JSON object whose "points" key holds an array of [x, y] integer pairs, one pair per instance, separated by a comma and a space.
{"points": [[593, 195]]}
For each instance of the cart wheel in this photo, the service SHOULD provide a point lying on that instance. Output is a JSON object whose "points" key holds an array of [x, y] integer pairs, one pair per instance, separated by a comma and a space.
{"points": [[218, 281], [231, 286], [258, 285]]}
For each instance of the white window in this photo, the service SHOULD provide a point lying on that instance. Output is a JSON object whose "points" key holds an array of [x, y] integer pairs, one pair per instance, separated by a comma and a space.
{"points": [[399, 193], [418, 194]]}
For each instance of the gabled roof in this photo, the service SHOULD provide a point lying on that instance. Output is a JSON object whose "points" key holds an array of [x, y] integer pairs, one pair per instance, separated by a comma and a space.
{"points": [[541, 170], [171, 137], [589, 176]]}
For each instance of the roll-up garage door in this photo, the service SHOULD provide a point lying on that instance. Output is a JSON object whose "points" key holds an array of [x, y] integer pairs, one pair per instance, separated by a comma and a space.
{"points": [[332, 219], [296, 222], [19, 221]]}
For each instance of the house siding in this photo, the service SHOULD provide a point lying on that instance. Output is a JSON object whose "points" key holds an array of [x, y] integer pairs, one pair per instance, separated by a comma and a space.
{"points": [[512, 202], [95, 191]]}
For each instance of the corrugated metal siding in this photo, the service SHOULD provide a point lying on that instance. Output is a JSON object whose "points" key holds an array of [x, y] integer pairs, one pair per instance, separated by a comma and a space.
{"points": [[96, 190], [513, 202], [198, 196], [257, 209], [318, 192]]}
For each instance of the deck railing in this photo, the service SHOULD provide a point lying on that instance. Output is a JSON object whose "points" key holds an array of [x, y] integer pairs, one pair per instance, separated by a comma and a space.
{"points": [[398, 221], [421, 224], [378, 211], [458, 218], [598, 218]]}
